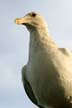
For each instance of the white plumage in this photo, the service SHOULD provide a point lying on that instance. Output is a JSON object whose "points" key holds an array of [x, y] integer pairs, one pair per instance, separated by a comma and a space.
{"points": [[47, 77]]}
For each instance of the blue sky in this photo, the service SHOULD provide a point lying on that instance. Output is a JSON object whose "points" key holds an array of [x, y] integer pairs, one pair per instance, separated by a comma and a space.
{"points": [[14, 42]]}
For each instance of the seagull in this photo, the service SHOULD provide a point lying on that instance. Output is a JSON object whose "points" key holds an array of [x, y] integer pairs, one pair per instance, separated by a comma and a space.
{"points": [[47, 77]]}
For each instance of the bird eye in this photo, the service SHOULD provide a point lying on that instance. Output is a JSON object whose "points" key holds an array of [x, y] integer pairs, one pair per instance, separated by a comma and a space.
{"points": [[33, 14]]}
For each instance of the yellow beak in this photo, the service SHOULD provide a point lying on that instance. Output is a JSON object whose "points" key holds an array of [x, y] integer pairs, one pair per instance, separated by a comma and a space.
{"points": [[19, 21]]}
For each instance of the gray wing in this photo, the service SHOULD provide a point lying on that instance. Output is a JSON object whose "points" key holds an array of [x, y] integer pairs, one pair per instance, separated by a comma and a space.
{"points": [[28, 88], [66, 51]]}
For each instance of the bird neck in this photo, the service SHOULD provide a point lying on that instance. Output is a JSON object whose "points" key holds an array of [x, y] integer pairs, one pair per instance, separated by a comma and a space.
{"points": [[41, 44], [41, 38]]}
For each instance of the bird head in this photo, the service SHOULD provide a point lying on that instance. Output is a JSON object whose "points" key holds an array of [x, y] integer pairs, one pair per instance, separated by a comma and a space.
{"points": [[32, 21]]}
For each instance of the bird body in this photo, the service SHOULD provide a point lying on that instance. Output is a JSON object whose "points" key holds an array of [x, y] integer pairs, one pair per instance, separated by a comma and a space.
{"points": [[47, 77]]}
